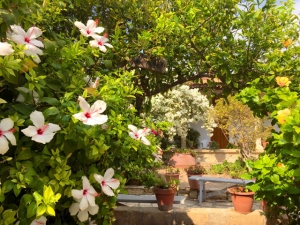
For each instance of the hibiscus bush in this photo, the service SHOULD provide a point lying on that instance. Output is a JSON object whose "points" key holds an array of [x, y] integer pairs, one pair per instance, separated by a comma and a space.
{"points": [[277, 170], [69, 136]]}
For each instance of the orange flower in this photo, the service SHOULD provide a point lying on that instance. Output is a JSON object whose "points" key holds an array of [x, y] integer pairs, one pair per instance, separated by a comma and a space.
{"points": [[282, 115], [280, 165], [283, 81], [287, 42]]}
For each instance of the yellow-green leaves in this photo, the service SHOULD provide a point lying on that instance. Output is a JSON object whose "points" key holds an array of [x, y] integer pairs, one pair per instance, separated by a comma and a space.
{"points": [[46, 203]]}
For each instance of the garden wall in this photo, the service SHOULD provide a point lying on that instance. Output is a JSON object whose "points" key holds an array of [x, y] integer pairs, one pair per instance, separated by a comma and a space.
{"points": [[210, 157]]}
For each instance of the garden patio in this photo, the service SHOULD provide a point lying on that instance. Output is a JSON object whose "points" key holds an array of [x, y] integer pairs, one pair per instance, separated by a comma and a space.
{"points": [[95, 94]]}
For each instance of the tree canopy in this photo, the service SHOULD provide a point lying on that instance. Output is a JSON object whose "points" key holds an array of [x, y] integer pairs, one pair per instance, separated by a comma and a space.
{"points": [[173, 41]]}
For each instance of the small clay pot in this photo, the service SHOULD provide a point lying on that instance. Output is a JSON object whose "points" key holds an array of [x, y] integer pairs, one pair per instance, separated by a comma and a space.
{"points": [[242, 201], [165, 198]]}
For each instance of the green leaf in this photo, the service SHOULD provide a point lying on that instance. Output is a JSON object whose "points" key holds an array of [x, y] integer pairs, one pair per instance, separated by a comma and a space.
{"points": [[2, 101], [9, 216], [107, 63], [38, 198], [8, 186], [50, 210], [51, 101], [41, 210], [51, 111], [31, 210], [48, 193], [288, 136], [24, 155], [275, 179], [27, 198]]}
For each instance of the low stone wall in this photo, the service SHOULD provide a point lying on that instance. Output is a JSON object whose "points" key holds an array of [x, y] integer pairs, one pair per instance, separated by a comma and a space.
{"points": [[210, 157], [193, 216]]}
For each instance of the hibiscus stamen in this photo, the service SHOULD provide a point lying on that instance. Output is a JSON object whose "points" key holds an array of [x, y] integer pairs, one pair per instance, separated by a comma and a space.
{"points": [[13, 130], [96, 21], [87, 115], [40, 131]]}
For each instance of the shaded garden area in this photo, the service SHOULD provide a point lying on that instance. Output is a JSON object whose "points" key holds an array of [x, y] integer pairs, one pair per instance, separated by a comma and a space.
{"points": [[91, 92]]}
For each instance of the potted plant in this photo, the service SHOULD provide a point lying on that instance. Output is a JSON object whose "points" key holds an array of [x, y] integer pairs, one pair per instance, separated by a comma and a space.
{"points": [[242, 198], [183, 158], [197, 170], [172, 173], [163, 190]]}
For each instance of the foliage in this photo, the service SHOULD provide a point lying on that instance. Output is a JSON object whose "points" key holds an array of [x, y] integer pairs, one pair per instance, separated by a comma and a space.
{"points": [[213, 145], [277, 170], [172, 170], [234, 170], [181, 107], [240, 125], [155, 180], [52, 148], [192, 139], [195, 170]]}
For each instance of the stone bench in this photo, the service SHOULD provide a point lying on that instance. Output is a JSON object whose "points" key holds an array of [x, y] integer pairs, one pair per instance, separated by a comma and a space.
{"points": [[147, 199], [202, 180]]}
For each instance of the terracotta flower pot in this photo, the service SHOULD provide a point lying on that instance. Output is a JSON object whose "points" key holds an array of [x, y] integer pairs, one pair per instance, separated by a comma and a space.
{"points": [[182, 160], [194, 184], [242, 201], [165, 198], [174, 176]]}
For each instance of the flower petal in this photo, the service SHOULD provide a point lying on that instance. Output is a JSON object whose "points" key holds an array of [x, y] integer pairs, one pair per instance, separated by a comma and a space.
{"points": [[37, 119], [18, 39], [51, 128], [80, 25], [133, 128], [11, 137], [83, 104], [91, 24], [6, 124], [145, 141], [34, 32], [5, 48], [80, 116], [94, 43], [99, 178], [107, 190], [102, 48], [37, 43], [109, 174], [91, 199], [98, 107], [43, 138], [85, 183], [74, 209], [93, 210], [108, 45], [83, 203], [18, 30], [96, 120], [132, 135], [77, 194], [83, 216], [98, 30], [3, 145], [30, 131], [113, 183]]}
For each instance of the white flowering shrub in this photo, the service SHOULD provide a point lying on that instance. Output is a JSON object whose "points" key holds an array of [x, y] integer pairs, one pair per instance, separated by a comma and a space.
{"points": [[182, 107]]}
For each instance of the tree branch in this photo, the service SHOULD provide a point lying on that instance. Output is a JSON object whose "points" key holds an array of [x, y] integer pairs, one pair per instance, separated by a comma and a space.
{"points": [[179, 81]]}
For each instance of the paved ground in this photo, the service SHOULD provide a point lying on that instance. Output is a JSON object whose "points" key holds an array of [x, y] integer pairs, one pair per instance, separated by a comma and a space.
{"points": [[220, 201]]}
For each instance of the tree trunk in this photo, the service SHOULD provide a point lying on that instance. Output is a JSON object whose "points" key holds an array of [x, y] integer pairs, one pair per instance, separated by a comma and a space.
{"points": [[183, 142]]}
